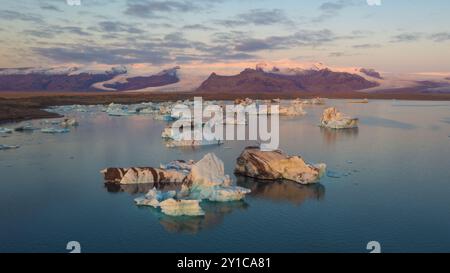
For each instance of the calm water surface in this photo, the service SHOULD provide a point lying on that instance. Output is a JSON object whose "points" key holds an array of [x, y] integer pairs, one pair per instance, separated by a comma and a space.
{"points": [[389, 182]]}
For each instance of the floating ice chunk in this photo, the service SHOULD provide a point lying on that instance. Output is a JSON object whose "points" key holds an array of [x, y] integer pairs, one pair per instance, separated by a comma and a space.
{"points": [[147, 111], [168, 205], [142, 175], [209, 172], [292, 110], [154, 197], [69, 122], [219, 193], [53, 130], [229, 194], [334, 119], [364, 101], [314, 101], [174, 207], [142, 201], [28, 127], [192, 143], [118, 113], [5, 130], [275, 165], [164, 117], [8, 147], [179, 165]]}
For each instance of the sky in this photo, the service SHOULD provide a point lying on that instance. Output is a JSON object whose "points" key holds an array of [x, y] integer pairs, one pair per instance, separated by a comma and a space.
{"points": [[399, 36]]}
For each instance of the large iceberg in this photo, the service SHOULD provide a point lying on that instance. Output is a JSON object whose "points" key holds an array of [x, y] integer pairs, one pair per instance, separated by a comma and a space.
{"points": [[204, 180], [334, 119], [275, 165]]}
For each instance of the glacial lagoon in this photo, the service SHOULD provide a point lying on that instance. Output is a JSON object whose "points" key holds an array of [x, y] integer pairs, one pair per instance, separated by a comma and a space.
{"points": [[387, 181]]}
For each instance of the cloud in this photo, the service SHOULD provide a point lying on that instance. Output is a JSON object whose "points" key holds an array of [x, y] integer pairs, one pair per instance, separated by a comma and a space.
{"points": [[366, 46], [115, 26], [440, 37], [300, 38], [153, 8], [52, 31], [50, 7], [256, 17], [197, 27], [406, 37], [9, 15], [331, 9], [103, 55]]}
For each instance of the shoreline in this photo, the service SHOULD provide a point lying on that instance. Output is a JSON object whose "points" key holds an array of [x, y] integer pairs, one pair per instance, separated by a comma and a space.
{"points": [[22, 106]]}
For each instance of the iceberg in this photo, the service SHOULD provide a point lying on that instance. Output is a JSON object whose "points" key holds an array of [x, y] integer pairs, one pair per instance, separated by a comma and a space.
{"points": [[174, 207], [28, 127], [5, 130], [53, 130], [69, 122], [142, 175], [154, 197], [334, 119], [8, 147], [209, 172], [275, 165], [295, 109], [203, 180], [179, 165], [314, 101]]}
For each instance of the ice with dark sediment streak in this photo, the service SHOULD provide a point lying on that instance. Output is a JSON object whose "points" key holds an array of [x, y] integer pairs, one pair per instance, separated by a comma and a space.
{"points": [[276, 165]]}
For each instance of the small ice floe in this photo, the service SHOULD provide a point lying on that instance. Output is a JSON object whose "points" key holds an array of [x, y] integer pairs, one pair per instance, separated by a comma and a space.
{"points": [[117, 110], [118, 113], [179, 165], [176, 139], [28, 127], [169, 205], [192, 143], [364, 101], [314, 101], [69, 122], [295, 109], [203, 180], [275, 165], [334, 119], [8, 147], [5, 130], [53, 130], [165, 117], [243, 102]]}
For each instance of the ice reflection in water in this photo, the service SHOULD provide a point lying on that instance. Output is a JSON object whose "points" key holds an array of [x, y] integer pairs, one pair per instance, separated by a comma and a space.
{"points": [[283, 191]]}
